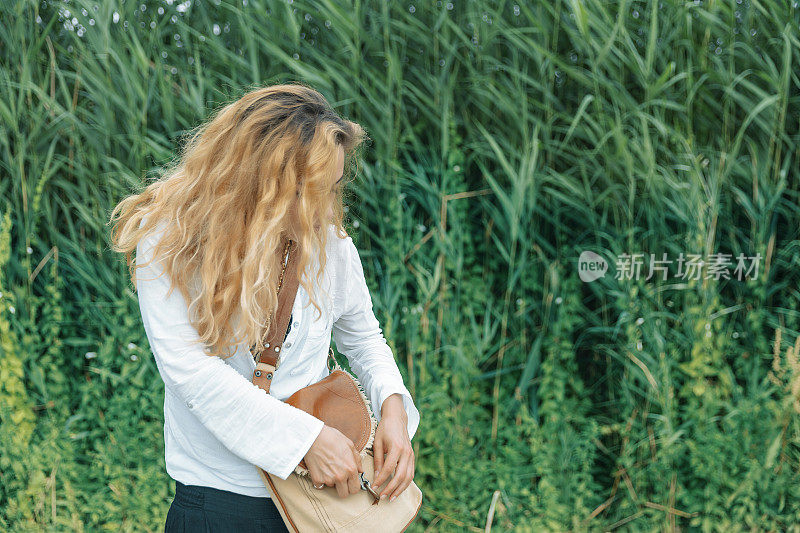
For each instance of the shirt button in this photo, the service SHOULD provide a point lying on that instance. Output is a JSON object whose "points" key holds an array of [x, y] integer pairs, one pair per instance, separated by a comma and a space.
{"points": [[296, 324], [191, 405], [288, 344]]}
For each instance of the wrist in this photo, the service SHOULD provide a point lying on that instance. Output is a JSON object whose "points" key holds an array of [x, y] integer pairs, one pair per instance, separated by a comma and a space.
{"points": [[393, 406]]}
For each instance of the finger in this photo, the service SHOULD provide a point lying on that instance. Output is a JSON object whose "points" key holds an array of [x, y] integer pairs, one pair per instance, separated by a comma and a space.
{"points": [[312, 473], [354, 484], [399, 476], [409, 475], [377, 452], [342, 488], [388, 466], [317, 477]]}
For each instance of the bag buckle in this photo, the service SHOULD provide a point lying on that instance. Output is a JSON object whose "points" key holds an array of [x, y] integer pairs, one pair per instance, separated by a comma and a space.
{"points": [[366, 486]]}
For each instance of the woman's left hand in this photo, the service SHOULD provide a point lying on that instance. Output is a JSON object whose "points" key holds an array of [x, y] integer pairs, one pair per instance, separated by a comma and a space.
{"points": [[391, 438]]}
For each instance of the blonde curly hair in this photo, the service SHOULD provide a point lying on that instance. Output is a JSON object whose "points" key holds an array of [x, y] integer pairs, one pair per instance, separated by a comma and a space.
{"points": [[259, 169]]}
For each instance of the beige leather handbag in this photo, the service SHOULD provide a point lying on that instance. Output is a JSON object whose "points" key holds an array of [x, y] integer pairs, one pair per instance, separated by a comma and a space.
{"points": [[339, 401]]}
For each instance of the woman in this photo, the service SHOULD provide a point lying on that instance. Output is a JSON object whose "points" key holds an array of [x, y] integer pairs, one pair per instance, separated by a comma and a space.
{"points": [[264, 169]]}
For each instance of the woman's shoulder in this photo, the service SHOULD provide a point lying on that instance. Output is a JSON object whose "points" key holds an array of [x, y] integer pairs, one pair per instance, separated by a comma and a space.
{"points": [[146, 247], [339, 244], [157, 231]]}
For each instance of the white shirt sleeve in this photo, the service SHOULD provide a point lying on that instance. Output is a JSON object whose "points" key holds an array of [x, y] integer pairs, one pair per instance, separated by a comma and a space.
{"points": [[254, 425], [358, 336]]}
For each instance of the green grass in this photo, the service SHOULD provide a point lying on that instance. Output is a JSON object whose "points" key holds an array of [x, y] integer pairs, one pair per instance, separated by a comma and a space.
{"points": [[506, 140]]}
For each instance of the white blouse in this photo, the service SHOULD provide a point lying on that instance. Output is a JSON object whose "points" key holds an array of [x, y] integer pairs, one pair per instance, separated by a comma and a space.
{"points": [[218, 426]]}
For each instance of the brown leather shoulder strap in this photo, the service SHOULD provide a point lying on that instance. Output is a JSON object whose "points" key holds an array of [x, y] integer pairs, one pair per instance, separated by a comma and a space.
{"points": [[286, 297]]}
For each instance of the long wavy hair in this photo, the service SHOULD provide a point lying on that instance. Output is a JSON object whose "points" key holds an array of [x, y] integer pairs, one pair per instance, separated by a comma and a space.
{"points": [[258, 172]]}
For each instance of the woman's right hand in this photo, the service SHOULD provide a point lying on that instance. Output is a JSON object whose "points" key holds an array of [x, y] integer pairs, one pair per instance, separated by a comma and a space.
{"points": [[334, 460]]}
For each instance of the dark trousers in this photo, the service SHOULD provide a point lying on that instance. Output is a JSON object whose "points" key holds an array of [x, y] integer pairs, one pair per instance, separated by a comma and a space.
{"points": [[197, 509]]}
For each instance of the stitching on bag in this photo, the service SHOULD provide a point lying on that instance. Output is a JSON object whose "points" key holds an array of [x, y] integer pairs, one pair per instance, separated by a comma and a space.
{"points": [[362, 515], [275, 494], [365, 418], [367, 510], [359, 517], [332, 390], [369, 418], [312, 501], [324, 510], [318, 507]]}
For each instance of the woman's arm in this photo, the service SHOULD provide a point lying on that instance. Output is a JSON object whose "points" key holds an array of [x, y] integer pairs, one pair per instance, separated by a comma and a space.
{"points": [[358, 336], [251, 423]]}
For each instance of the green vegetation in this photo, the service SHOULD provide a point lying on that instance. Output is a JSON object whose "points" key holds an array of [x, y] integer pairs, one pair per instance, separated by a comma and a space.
{"points": [[507, 139]]}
